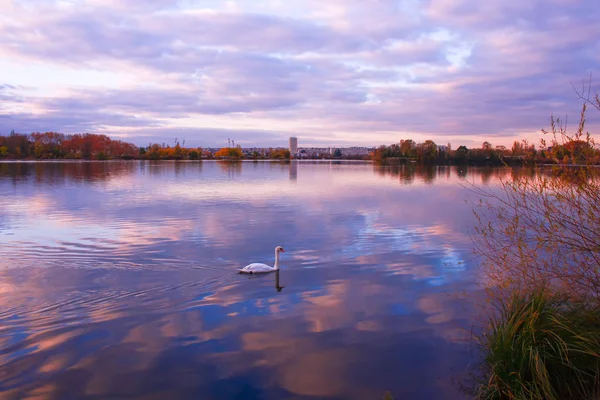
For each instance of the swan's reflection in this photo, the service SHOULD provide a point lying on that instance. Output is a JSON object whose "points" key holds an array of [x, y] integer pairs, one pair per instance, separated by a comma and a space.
{"points": [[277, 286]]}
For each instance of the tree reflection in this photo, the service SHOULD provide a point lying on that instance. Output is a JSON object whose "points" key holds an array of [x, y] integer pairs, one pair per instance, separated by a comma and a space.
{"points": [[62, 173], [232, 168], [404, 173], [428, 174]]}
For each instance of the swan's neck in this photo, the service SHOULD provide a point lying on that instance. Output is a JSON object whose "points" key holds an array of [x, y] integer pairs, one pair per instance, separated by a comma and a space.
{"points": [[276, 260]]}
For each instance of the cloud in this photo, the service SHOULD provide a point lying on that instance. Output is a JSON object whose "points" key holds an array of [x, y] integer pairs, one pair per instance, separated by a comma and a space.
{"points": [[355, 72]]}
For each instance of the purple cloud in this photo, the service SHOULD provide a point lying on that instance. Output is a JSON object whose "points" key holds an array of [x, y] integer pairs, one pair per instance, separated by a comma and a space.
{"points": [[345, 71]]}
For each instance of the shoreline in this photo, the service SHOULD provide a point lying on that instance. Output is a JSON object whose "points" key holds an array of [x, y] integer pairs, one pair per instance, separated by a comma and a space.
{"points": [[73, 160]]}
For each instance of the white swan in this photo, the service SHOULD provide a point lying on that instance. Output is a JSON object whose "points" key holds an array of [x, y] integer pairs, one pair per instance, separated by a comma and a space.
{"points": [[258, 268]]}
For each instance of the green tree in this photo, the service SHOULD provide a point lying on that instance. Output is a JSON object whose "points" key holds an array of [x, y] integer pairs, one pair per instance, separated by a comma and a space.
{"points": [[461, 155]]}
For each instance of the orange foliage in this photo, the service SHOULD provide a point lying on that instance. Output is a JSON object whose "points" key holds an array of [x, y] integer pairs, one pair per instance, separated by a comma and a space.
{"points": [[59, 145], [98, 146], [230, 152]]}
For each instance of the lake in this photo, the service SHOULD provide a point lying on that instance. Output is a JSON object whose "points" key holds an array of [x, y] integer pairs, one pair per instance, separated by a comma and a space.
{"points": [[118, 280]]}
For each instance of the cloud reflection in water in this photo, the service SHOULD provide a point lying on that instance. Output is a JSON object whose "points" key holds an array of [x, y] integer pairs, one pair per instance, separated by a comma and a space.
{"points": [[118, 280]]}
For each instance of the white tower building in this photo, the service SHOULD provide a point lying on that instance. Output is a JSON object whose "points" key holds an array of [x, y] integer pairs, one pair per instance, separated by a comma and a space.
{"points": [[294, 145]]}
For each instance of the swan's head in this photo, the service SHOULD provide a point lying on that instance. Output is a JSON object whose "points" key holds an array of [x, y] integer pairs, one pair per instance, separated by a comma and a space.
{"points": [[279, 249]]}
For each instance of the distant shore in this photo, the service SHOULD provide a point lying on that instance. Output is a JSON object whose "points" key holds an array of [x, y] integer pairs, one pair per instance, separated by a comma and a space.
{"points": [[244, 160], [58, 146]]}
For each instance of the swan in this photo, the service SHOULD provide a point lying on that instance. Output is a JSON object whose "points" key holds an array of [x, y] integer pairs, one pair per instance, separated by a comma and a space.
{"points": [[258, 268]]}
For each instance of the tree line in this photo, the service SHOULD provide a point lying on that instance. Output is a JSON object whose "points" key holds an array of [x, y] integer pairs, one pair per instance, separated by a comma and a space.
{"points": [[54, 145], [89, 146], [521, 152]]}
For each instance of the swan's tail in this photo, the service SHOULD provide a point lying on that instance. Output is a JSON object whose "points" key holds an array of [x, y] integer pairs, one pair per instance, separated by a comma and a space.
{"points": [[241, 271]]}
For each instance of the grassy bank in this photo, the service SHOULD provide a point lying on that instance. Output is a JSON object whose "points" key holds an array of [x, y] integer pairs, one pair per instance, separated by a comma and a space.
{"points": [[538, 347]]}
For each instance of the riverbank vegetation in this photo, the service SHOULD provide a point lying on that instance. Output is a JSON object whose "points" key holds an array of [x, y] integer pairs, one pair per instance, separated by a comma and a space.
{"points": [[521, 153], [53, 145], [539, 239], [542, 347]]}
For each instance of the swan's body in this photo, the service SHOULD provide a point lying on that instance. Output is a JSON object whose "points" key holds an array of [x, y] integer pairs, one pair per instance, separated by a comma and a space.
{"points": [[259, 268]]}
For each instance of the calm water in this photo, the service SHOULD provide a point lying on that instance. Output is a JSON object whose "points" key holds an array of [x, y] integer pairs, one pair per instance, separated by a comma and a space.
{"points": [[117, 280]]}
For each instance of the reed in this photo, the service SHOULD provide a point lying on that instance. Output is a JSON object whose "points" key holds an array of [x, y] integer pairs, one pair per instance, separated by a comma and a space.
{"points": [[539, 347]]}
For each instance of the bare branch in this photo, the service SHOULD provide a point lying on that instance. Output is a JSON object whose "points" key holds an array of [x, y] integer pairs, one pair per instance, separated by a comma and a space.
{"points": [[543, 231], [594, 101]]}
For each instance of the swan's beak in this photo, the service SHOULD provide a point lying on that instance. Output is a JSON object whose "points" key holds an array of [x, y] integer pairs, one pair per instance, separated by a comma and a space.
{"points": [[282, 250]]}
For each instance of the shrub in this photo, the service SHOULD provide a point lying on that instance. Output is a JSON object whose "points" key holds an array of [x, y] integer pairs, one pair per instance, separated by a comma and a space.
{"points": [[542, 231], [539, 238]]}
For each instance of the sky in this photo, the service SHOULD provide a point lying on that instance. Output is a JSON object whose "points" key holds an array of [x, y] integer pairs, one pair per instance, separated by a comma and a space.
{"points": [[331, 72]]}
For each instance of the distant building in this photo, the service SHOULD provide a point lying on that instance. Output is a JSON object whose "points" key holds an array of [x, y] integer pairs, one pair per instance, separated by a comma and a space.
{"points": [[293, 145]]}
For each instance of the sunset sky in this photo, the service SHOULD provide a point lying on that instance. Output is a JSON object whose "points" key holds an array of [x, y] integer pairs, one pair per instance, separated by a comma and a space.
{"points": [[331, 72]]}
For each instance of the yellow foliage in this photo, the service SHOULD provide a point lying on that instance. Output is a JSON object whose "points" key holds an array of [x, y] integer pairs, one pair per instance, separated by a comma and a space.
{"points": [[280, 154]]}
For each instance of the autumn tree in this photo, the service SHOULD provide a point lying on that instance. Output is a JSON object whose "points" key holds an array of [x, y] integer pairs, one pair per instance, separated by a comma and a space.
{"points": [[58, 145], [48, 144], [408, 148], [543, 230], [178, 151], [153, 151], [280, 154], [18, 145], [501, 150], [426, 151], [230, 152], [383, 153]]}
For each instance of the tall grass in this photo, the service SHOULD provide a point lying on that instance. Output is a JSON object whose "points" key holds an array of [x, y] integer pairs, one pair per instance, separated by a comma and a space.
{"points": [[538, 347]]}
